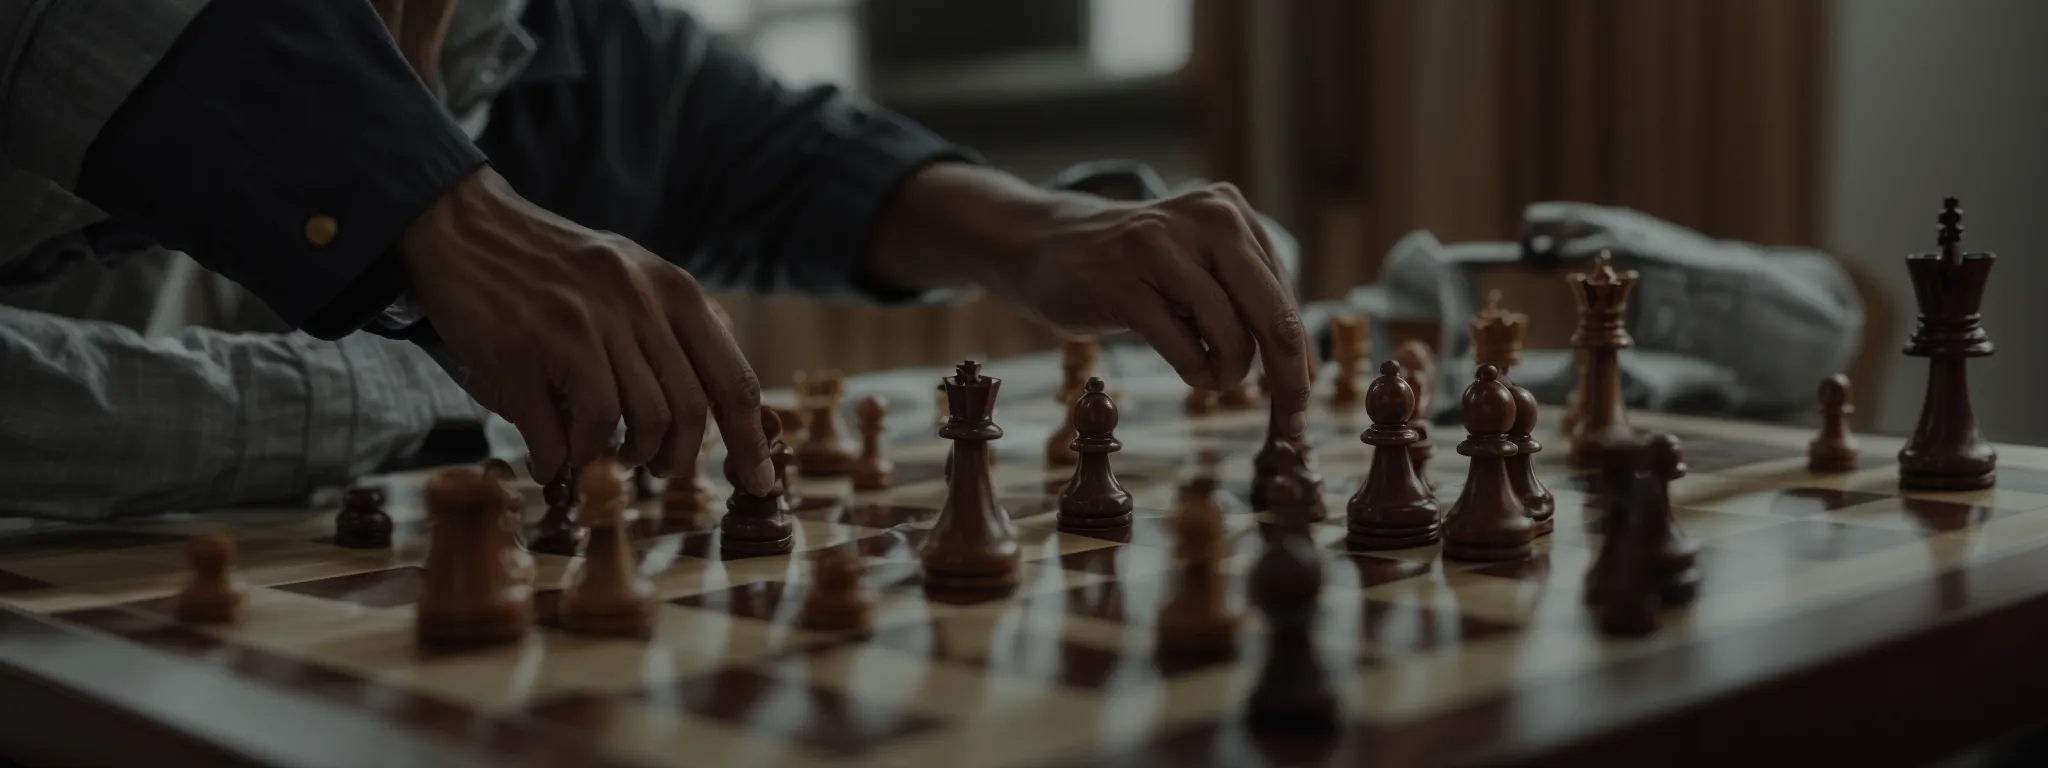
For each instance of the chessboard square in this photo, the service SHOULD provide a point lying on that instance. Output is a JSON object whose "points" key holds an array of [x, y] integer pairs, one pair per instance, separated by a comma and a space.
{"points": [[2023, 479], [910, 580], [1929, 516], [1780, 551], [1006, 647], [68, 541], [872, 515], [152, 630], [11, 582], [631, 730], [792, 709], [1788, 502], [1229, 743], [389, 588], [1701, 525], [1996, 497], [1710, 454], [1131, 602], [1359, 570], [1398, 628], [1118, 561]]}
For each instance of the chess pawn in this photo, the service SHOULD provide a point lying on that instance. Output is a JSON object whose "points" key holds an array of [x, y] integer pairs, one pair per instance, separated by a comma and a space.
{"points": [[1349, 345], [839, 600], [1418, 366], [1059, 446], [1294, 494], [973, 544], [1621, 586], [1834, 449], [1200, 402], [1392, 509], [214, 595], [557, 533], [362, 522], [759, 525], [1293, 693], [478, 588], [607, 594], [1537, 499], [686, 494], [1678, 573], [1239, 397], [872, 470], [1487, 523], [825, 452], [1093, 499], [1196, 620]]}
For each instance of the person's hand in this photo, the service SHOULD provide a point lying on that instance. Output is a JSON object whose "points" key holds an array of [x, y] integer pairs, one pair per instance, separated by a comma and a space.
{"points": [[1194, 275], [564, 330]]}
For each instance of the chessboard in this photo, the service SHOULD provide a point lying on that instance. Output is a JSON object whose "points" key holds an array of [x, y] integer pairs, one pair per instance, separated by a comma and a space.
{"points": [[1836, 615]]}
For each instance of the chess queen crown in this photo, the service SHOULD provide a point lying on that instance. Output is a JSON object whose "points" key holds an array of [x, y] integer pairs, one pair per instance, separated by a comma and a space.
{"points": [[1497, 328], [1602, 296], [971, 404], [1949, 287]]}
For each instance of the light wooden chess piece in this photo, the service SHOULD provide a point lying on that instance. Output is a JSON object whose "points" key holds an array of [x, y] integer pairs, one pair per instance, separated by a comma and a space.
{"points": [[478, 588], [607, 594], [1200, 402], [1196, 620], [1351, 347], [825, 451], [1077, 365], [1834, 450], [872, 471], [839, 599], [214, 595], [1418, 366], [1497, 335]]}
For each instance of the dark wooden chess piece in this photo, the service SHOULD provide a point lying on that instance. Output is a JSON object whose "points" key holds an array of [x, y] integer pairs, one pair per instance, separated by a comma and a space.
{"points": [[839, 599], [1834, 449], [825, 451], [1093, 499], [607, 594], [1392, 509], [1488, 523], [759, 525], [1677, 557], [558, 532], [1196, 620], [1621, 586], [872, 471], [1280, 455], [1293, 693], [1945, 451], [1418, 366], [362, 522], [214, 595], [973, 544], [1295, 494], [1602, 297], [478, 587], [1536, 498]]}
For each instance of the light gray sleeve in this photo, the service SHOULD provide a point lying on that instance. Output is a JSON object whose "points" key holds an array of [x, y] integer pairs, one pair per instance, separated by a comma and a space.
{"points": [[66, 65], [97, 421]]}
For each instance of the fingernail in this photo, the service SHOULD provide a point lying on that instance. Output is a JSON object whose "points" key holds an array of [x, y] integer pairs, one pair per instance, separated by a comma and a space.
{"points": [[763, 477]]}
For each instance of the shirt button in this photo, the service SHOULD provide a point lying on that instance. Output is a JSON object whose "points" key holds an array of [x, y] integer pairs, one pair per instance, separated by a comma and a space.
{"points": [[321, 229]]}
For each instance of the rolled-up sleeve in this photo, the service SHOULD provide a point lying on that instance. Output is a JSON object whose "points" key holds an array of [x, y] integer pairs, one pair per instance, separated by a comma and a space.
{"points": [[285, 144]]}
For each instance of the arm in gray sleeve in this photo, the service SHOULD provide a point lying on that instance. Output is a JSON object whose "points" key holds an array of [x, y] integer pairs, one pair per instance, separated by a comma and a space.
{"points": [[105, 421]]}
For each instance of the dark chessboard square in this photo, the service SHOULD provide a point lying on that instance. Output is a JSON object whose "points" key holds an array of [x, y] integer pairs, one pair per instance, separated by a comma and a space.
{"points": [[888, 545], [659, 524], [1399, 628], [1936, 516], [1800, 502], [705, 546], [1228, 743], [1143, 531], [408, 529], [1714, 454], [759, 600], [1021, 506], [792, 709], [909, 577], [75, 540], [157, 631], [14, 582], [872, 515], [389, 588], [1134, 602], [1374, 570]]}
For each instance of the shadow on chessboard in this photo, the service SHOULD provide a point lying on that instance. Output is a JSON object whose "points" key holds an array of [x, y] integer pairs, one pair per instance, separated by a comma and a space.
{"points": [[2026, 749]]}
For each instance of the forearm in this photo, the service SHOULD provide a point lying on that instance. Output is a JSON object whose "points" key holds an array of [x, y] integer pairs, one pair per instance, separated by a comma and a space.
{"points": [[118, 423], [955, 225]]}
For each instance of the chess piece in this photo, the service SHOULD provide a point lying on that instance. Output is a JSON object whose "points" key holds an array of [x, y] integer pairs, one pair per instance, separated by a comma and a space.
{"points": [[1093, 499], [362, 522], [1200, 402], [759, 525], [214, 595], [1536, 498], [1294, 493], [607, 594], [1418, 366], [1575, 401], [939, 407], [1621, 585], [872, 470], [825, 451], [1487, 523], [1945, 451], [973, 544], [687, 494], [1077, 365], [1677, 557], [1351, 346], [1834, 449], [1497, 334], [1602, 297], [1238, 397], [1293, 693], [1392, 509], [478, 588], [558, 532], [839, 600], [643, 485], [1196, 620]]}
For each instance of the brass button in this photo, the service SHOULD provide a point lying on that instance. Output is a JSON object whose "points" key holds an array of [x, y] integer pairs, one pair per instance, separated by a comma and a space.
{"points": [[320, 230]]}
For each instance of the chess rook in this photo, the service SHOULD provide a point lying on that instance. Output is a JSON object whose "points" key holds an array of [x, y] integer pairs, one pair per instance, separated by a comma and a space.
{"points": [[1488, 523], [557, 532], [1536, 498], [1351, 346], [759, 525], [1497, 334], [1945, 451], [973, 544], [478, 586], [1294, 492], [1834, 449], [1393, 508], [1093, 499], [1602, 297]]}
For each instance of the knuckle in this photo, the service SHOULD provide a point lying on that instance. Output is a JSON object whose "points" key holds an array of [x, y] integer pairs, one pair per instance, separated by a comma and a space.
{"points": [[746, 389], [1288, 332]]}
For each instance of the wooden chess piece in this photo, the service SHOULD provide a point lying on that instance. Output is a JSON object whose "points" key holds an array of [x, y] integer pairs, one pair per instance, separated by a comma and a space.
{"points": [[1351, 347], [607, 594], [558, 532], [1200, 402], [973, 544], [871, 472], [1293, 693], [478, 587], [1677, 557], [1487, 523], [1497, 334], [214, 595], [1536, 499], [1834, 449], [1945, 451], [825, 451], [1392, 509], [1196, 620], [362, 522], [688, 493], [839, 599], [1294, 494], [1093, 499], [759, 525], [1077, 365], [1602, 297], [1621, 585], [1239, 396], [1418, 366], [939, 407]]}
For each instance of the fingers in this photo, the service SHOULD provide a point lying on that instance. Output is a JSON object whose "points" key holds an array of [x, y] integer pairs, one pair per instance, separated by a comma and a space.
{"points": [[1262, 299], [590, 394], [679, 447], [1153, 318], [729, 383], [641, 399], [1194, 294], [540, 424]]}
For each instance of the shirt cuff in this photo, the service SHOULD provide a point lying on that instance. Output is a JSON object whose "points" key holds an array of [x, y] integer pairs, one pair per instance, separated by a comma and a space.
{"points": [[285, 144]]}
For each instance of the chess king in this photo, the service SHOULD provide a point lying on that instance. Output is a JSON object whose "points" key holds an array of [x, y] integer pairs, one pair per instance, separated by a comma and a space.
{"points": [[1946, 452]]}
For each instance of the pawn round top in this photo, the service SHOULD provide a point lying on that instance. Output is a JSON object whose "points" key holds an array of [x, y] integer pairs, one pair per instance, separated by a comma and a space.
{"points": [[1095, 412], [1389, 399], [872, 408], [1525, 411], [1666, 456], [1834, 392], [1488, 405], [211, 551], [771, 423], [602, 488]]}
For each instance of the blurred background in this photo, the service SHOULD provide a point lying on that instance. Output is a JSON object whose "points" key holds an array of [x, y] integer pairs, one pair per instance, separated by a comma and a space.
{"points": [[1838, 125]]}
